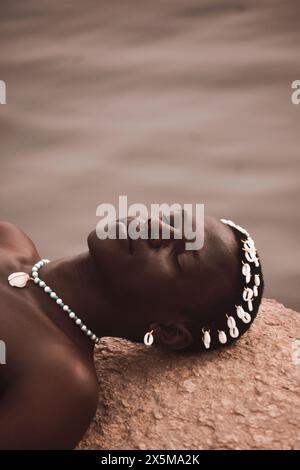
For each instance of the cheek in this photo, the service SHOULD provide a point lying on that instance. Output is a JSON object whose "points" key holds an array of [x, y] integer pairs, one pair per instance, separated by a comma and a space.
{"points": [[144, 285]]}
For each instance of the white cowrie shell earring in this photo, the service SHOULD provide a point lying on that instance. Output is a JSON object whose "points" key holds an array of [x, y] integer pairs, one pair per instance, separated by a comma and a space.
{"points": [[148, 338]]}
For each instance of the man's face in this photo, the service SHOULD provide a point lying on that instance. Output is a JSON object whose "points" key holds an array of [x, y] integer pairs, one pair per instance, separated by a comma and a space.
{"points": [[153, 280]]}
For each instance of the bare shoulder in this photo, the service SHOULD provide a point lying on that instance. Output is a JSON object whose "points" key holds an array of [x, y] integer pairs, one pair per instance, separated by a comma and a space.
{"points": [[51, 404], [12, 238], [62, 363]]}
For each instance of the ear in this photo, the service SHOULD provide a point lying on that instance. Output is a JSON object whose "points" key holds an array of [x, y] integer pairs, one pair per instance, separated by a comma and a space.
{"points": [[171, 335]]}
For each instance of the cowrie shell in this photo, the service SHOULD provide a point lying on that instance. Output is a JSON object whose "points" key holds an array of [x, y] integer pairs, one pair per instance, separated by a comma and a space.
{"points": [[247, 294], [246, 269], [206, 339], [250, 256], [246, 317], [234, 332], [229, 222], [257, 280], [18, 279], [240, 311], [222, 337], [148, 339], [239, 228], [231, 322], [250, 244]]}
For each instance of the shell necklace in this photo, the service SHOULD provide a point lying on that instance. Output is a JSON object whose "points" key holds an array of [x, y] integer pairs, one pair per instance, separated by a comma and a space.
{"points": [[21, 279]]}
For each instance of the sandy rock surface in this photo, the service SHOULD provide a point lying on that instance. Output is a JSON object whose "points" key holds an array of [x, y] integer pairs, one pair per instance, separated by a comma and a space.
{"points": [[243, 397]]}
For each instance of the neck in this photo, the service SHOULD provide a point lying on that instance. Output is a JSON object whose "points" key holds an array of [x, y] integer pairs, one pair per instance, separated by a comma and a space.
{"points": [[76, 282]]}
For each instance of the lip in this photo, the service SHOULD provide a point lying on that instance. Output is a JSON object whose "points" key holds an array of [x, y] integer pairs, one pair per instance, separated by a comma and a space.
{"points": [[130, 241], [124, 223]]}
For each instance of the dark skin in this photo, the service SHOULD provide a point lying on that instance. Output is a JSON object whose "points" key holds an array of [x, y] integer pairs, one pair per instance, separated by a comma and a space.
{"points": [[48, 387]]}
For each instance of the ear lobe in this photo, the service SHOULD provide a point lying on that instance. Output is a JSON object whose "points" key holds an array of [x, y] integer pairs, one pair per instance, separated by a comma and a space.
{"points": [[172, 335]]}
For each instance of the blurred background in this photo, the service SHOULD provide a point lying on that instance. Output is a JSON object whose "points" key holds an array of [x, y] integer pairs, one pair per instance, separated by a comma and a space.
{"points": [[167, 101]]}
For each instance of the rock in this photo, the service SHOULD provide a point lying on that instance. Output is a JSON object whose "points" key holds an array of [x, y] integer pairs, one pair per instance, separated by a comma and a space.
{"points": [[242, 397]]}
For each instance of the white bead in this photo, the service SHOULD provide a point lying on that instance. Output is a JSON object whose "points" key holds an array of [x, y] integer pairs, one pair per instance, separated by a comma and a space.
{"points": [[222, 337], [231, 322], [234, 332], [256, 262], [246, 317], [257, 280], [255, 291], [53, 295], [250, 306]]}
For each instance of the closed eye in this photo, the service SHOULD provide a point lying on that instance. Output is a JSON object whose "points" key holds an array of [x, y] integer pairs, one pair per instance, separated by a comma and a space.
{"points": [[176, 260]]}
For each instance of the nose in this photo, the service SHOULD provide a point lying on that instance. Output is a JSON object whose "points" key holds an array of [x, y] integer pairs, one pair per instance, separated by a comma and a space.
{"points": [[161, 234]]}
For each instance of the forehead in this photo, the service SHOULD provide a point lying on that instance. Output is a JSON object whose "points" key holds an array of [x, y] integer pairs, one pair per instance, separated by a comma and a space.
{"points": [[219, 243], [213, 266]]}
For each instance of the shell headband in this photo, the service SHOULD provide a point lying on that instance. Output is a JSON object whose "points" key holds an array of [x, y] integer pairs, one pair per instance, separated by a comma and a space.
{"points": [[252, 283]]}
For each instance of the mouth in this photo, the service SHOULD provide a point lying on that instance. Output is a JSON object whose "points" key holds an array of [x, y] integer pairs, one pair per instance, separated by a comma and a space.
{"points": [[123, 225], [126, 222], [130, 247]]}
